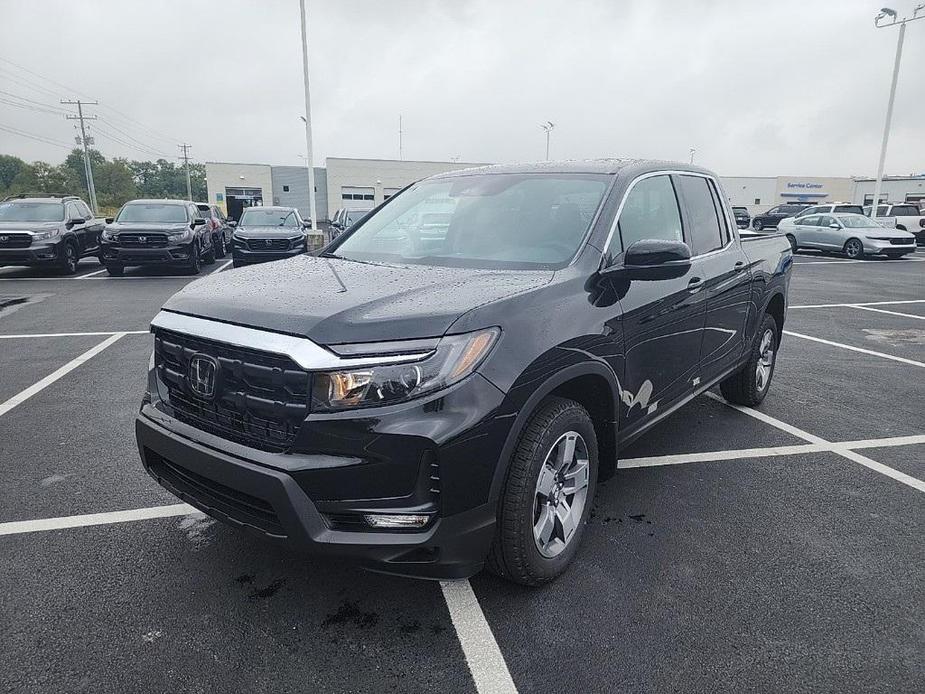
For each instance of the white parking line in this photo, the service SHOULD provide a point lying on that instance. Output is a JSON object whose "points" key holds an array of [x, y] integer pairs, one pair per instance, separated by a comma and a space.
{"points": [[716, 456], [43, 524], [484, 657], [891, 313], [105, 332], [24, 395], [852, 348], [856, 304], [836, 448], [221, 267], [91, 274]]}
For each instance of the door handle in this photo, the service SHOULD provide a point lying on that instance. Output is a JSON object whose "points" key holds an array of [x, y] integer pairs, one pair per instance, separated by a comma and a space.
{"points": [[695, 283], [739, 266]]}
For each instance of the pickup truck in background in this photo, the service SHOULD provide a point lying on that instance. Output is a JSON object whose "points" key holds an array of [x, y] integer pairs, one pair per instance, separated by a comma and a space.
{"points": [[904, 216], [431, 403]]}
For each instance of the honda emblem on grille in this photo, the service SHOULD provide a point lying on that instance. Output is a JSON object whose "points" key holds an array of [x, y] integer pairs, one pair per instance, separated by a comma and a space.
{"points": [[201, 375], [269, 242], [4, 239], [142, 239]]}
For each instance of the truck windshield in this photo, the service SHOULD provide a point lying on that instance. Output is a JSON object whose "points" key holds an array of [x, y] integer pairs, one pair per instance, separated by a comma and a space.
{"points": [[515, 221], [262, 217], [31, 212], [155, 213]]}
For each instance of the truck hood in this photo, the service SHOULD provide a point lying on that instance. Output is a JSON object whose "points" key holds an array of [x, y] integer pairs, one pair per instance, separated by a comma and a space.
{"points": [[330, 300], [29, 226], [162, 227], [275, 231]]}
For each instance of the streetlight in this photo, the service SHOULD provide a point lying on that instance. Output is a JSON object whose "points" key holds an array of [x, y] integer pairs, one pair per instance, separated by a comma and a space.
{"points": [[308, 124], [547, 126], [692, 150], [879, 23]]}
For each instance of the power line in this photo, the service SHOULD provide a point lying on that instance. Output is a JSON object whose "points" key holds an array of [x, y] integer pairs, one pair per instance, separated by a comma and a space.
{"points": [[42, 104], [33, 136], [146, 145]]}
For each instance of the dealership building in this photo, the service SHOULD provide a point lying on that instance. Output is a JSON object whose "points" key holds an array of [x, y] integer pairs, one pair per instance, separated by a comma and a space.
{"points": [[361, 184]]}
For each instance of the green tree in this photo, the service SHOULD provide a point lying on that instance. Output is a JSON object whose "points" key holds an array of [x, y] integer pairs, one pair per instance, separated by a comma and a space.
{"points": [[9, 169]]}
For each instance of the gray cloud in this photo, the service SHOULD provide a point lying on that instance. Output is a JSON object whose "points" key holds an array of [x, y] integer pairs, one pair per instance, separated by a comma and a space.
{"points": [[757, 88]]}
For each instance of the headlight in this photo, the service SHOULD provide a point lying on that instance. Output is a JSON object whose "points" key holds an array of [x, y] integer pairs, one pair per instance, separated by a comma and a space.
{"points": [[454, 358], [181, 236], [108, 234], [42, 235]]}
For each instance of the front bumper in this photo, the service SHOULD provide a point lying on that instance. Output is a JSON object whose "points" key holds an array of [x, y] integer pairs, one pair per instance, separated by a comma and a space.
{"points": [[171, 254], [243, 256], [880, 247], [410, 458], [37, 253]]}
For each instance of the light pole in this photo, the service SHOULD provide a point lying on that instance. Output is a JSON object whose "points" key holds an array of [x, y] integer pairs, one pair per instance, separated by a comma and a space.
{"points": [[547, 126], [692, 150], [308, 123], [880, 24]]}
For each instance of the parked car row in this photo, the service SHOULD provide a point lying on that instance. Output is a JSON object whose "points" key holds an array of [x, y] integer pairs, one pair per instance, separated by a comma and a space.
{"points": [[56, 231], [855, 235]]}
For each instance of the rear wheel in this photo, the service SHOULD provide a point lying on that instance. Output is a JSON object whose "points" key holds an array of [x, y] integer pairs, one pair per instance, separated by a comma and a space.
{"points": [[854, 249], [193, 265], [547, 495], [750, 384], [218, 243], [210, 256], [793, 242], [69, 258]]}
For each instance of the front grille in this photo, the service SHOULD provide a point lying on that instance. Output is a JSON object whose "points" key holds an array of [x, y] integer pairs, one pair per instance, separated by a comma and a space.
{"points": [[15, 240], [268, 244], [207, 493], [140, 240], [260, 398], [901, 242]]}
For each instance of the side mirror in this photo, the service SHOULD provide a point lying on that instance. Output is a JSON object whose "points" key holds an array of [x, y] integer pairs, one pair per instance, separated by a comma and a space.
{"points": [[833, 225], [306, 224], [655, 259], [232, 223], [77, 220], [109, 220], [198, 222]]}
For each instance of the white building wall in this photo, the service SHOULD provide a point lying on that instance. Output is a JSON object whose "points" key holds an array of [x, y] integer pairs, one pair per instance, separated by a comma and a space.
{"points": [[382, 175], [757, 193], [909, 189], [814, 189], [221, 175]]}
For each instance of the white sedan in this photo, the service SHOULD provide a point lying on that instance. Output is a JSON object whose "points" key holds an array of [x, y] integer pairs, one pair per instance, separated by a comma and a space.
{"points": [[853, 234]]}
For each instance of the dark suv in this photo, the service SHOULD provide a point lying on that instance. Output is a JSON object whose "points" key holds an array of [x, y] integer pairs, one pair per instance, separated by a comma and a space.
{"points": [[157, 232], [268, 233], [431, 395], [770, 219], [46, 231]]}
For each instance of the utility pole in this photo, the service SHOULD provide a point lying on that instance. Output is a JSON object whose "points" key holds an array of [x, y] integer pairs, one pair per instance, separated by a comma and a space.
{"points": [[308, 122], [84, 141], [185, 157], [547, 126], [400, 153], [884, 13]]}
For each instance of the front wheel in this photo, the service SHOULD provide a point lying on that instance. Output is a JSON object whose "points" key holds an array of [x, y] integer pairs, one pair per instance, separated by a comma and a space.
{"points": [[220, 245], [547, 496], [757, 225], [115, 270], [750, 384], [854, 249], [69, 258], [793, 242], [194, 265]]}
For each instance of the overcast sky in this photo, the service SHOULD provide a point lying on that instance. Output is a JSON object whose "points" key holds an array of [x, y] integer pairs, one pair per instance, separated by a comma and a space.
{"points": [[758, 88]]}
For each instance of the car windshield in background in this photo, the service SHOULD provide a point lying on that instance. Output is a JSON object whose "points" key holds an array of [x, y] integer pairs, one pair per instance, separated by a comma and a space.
{"points": [[31, 212], [152, 212], [259, 217], [517, 221], [905, 211], [858, 221], [792, 209], [853, 209]]}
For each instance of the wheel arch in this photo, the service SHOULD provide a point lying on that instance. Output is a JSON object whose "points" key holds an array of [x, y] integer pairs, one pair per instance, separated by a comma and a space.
{"points": [[776, 307], [594, 386]]}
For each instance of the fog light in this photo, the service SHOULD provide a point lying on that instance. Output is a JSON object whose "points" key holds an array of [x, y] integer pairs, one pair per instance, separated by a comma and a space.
{"points": [[397, 520]]}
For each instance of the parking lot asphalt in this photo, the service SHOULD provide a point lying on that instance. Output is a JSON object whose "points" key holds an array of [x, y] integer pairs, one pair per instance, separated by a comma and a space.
{"points": [[771, 550]]}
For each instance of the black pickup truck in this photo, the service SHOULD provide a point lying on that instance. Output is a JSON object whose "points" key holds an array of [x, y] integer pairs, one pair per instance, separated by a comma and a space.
{"points": [[429, 404]]}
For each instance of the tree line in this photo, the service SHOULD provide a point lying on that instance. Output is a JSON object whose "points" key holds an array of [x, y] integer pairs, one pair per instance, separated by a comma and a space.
{"points": [[116, 180]]}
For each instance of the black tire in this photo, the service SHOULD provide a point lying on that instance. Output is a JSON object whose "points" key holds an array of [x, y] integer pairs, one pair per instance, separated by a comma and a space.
{"points": [[743, 387], [514, 553], [115, 270], [757, 225], [194, 265], [854, 249], [69, 258], [210, 256], [219, 245], [793, 243]]}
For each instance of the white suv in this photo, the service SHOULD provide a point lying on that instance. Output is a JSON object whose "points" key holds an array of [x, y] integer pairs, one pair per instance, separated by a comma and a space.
{"points": [[905, 216], [827, 208]]}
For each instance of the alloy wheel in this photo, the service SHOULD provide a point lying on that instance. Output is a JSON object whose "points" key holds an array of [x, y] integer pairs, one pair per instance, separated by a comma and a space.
{"points": [[561, 494], [757, 225], [853, 248], [765, 361]]}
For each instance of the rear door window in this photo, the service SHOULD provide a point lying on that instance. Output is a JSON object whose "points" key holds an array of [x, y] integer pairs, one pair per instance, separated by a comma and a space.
{"points": [[650, 211], [704, 225], [905, 211]]}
